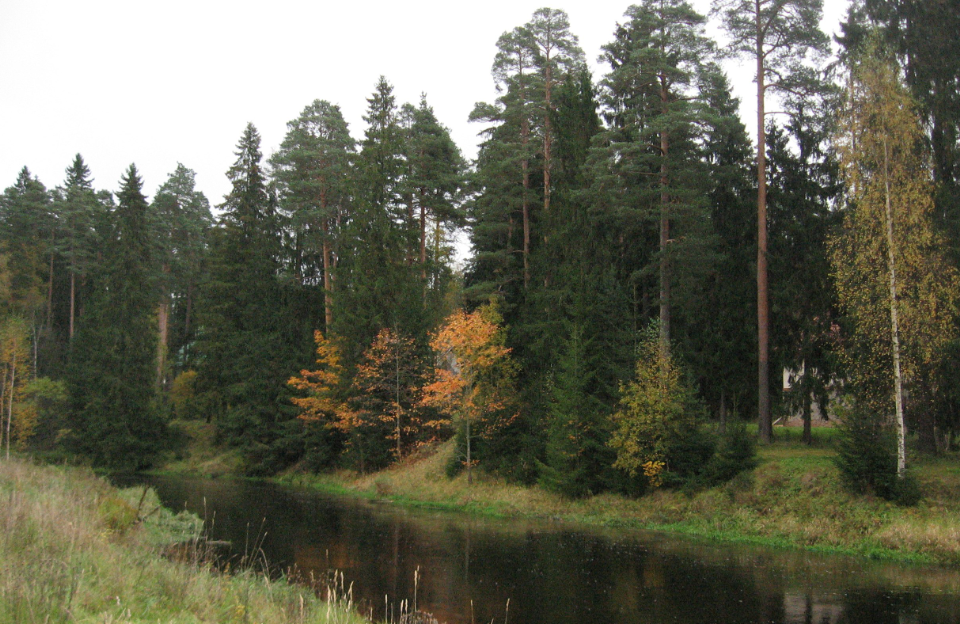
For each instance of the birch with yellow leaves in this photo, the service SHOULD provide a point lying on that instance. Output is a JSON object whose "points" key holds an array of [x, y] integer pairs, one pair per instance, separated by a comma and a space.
{"points": [[892, 280]]}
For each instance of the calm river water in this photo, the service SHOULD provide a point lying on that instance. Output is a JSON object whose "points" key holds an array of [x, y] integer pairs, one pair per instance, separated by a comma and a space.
{"points": [[470, 567]]}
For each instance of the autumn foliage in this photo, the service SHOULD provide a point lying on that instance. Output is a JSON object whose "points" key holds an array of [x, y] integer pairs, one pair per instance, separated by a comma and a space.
{"points": [[474, 377], [379, 409]]}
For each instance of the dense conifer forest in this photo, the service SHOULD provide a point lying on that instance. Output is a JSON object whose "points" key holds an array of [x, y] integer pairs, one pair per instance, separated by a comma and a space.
{"points": [[642, 272]]}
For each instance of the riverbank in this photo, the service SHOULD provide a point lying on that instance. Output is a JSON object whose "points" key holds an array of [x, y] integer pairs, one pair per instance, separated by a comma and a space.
{"points": [[793, 499], [75, 549]]}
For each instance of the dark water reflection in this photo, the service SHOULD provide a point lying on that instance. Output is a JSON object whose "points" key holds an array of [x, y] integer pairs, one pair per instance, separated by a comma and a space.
{"points": [[470, 567]]}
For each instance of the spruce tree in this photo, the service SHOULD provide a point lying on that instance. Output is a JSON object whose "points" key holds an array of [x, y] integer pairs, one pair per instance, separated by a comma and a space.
{"points": [[718, 330], [111, 375], [804, 187], [248, 349]]}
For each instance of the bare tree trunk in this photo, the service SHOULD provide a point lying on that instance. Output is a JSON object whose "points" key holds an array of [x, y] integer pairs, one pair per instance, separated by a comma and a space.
{"points": [[763, 305], [50, 297], [73, 300], [894, 322], [807, 414], [723, 412], [327, 281], [13, 387], [664, 232], [525, 166], [547, 132], [469, 466], [186, 320], [163, 326], [423, 239]]}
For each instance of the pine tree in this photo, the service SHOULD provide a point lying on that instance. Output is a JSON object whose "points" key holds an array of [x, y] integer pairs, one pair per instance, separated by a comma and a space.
{"points": [[79, 212], [314, 170], [504, 171], [111, 377], [557, 53], [779, 35], [183, 221], [435, 178]]}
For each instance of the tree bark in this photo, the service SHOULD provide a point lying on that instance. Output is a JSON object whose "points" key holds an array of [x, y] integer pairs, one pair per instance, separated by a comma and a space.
{"points": [[50, 297], [664, 231], [13, 387], [525, 200], [163, 327], [73, 290], [894, 321], [547, 131], [763, 306], [423, 238]]}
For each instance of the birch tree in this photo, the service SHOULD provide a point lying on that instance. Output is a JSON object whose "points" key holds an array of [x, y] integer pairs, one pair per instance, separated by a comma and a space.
{"points": [[891, 278]]}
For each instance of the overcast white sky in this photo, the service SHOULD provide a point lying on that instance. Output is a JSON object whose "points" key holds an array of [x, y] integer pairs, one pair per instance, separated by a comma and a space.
{"points": [[156, 83]]}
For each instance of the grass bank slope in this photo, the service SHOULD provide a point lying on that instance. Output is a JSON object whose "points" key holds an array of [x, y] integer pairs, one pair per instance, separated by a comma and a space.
{"points": [[75, 550], [792, 499]]}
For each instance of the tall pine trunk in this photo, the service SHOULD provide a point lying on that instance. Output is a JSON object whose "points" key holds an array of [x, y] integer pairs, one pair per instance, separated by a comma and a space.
{"points": [[525, 200], [73, 299], [327, 278], [763, 304], [547, 138], [664, 231], [50, 296], [423, 239]]}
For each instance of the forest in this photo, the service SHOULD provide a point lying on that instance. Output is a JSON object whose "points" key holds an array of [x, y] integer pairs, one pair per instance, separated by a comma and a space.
{"points": [[642, 272]]}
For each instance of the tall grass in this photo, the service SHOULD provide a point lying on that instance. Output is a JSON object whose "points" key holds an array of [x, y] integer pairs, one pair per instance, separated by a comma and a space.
{"points": [[74, 549]]}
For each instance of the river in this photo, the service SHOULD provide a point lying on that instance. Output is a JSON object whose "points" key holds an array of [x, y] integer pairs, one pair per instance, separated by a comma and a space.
{"points": [[470, 570]]}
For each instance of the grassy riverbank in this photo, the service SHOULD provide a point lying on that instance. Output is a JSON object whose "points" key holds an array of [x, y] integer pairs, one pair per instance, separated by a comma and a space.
{"points": [[792, 499], [74, 550]]}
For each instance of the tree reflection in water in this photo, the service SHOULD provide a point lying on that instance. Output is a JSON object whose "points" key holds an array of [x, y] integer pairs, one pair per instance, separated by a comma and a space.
{"points": [[470, 567]]}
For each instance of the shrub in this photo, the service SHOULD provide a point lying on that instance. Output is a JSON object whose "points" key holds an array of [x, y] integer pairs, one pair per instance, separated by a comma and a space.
{"points": [[736, 453], [183, 395], [867, 459], [656, 420]]}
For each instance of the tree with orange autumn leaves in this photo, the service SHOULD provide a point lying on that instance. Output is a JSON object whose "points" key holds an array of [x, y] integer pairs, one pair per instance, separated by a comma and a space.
{"points": [[474, 380], [379, 410], [387, 408]]}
